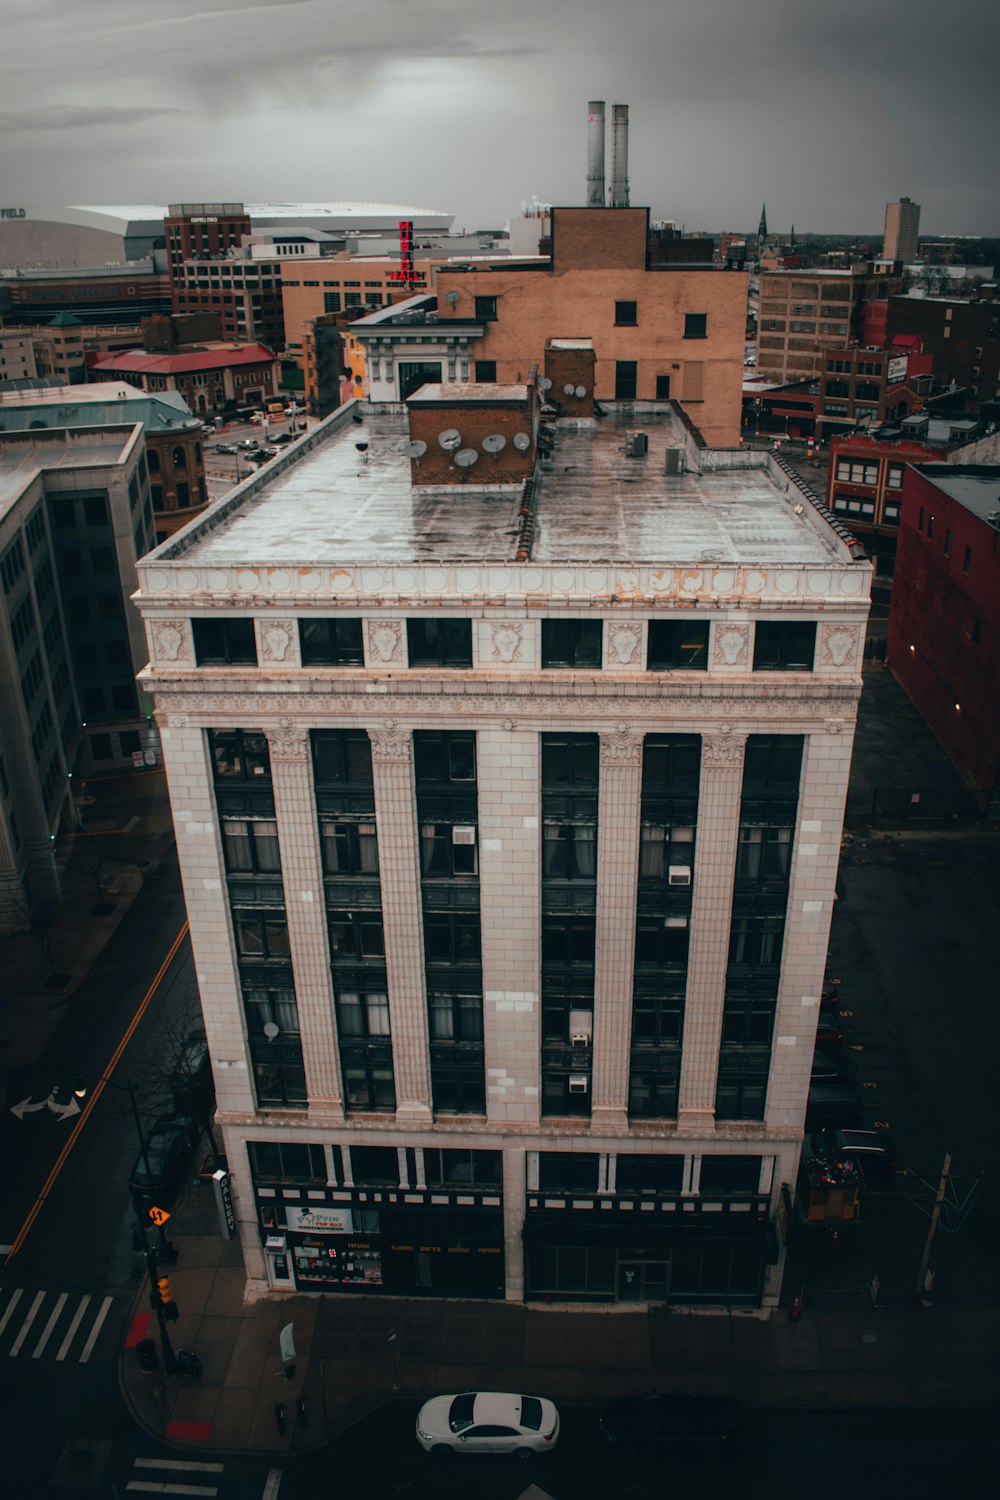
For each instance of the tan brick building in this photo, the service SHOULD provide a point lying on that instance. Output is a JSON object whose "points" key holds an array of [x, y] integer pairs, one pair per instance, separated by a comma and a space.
{"points": [[509, 817], [807, 314]]}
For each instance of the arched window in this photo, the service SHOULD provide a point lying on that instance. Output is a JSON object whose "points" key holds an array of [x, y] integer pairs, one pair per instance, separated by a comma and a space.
{"points": [[180, 458]]}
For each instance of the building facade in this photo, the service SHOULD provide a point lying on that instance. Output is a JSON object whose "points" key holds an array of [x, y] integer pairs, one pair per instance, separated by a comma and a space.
{"points": [[219, 380], [805, 315], [17, 355], [509, 868], [962, 337], [902, 226], [944, 622], [75, 513]]}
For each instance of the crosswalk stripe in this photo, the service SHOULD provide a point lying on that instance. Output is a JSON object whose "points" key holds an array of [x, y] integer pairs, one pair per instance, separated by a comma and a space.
{"points": [[77, 1320], [88, 1347], [180, 1465], [53, 1320], [272, 1485], [26, 1325], [9, 1310], [159, 1487]]}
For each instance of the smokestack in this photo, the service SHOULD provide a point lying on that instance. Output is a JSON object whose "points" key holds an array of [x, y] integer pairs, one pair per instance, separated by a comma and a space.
{"points": [[595, 153], [619, 156]]}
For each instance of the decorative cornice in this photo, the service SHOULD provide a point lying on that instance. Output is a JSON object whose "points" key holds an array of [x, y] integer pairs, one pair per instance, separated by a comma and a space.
{"points": [[288, 741], [621, 747], [723, 750], [390, 742]]}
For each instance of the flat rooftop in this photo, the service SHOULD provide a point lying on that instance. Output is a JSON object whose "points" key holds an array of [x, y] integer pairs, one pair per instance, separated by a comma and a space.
{"points": [[334, 505], [977, 488], [21, 459]]}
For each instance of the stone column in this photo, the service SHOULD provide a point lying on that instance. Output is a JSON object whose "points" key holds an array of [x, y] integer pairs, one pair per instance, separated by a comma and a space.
{"points": [[305, 909], [509, 883], [617, 896], [514, 1189], [402, 918], [711, 915]]}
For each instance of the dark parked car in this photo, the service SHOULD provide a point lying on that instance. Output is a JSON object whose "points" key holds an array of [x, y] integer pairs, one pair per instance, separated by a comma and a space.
{"points": [[871, 1151], [169, 1144], [833, 1104], [655, 1424], [829, 1068]]}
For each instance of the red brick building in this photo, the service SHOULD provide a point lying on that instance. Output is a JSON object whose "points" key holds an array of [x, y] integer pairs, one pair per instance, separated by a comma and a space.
{"points": [[210, 273], [944, 622], [212, 381]]}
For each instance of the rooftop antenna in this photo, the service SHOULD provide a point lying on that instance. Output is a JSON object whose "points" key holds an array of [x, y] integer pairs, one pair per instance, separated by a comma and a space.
{"points": [[416, 450], [450, 439]]}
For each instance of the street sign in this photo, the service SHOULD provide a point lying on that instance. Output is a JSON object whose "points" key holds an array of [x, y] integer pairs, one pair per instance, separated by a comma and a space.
{"points": [[158, 1215]]}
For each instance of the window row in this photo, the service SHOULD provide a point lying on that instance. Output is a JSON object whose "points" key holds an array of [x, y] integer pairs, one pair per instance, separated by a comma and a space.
{"points": [[672, 645]]}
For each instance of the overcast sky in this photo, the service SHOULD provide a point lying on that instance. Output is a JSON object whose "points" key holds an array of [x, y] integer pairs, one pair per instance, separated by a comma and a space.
{"points": [[825, 109]]}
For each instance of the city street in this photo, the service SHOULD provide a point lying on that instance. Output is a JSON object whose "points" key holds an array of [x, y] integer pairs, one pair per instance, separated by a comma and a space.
{"points": [[224, 470]]}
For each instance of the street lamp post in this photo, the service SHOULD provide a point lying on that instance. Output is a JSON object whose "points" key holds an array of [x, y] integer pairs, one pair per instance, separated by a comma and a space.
{"points": [[167, 1252]]}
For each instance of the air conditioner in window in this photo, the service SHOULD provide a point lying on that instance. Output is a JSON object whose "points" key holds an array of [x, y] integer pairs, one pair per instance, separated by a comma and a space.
{"points": [[581, 1027], [579, 1083], [679, 875], [463, 835]]}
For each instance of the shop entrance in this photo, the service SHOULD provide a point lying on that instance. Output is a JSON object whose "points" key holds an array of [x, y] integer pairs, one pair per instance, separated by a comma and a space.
{"points": [[643, 1280]]}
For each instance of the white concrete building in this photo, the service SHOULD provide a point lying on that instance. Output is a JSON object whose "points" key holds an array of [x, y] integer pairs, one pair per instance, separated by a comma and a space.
{"points": [[509, 825]]}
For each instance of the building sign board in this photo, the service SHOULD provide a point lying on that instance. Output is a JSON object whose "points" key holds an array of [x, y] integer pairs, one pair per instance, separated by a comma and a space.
{"points": [[896, 370], [224, 1202], [319, 1219]]}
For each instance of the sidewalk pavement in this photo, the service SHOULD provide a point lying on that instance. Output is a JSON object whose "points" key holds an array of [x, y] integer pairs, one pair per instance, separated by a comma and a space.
{"points": [[848, 1359]]}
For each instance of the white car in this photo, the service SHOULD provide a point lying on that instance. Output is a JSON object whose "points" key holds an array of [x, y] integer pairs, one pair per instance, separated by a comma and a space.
{"points": [[488, 1422]]}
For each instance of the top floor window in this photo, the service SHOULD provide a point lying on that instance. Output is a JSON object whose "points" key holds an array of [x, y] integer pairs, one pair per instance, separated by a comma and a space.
{"points": [[572, 643], [334, 642], [224, 641], [569, 761], [696, 325], [486, 309], [784, 646], [439, 643], [444, 755], [342, 755], [240, 755], [626, 314], [677, 645]]}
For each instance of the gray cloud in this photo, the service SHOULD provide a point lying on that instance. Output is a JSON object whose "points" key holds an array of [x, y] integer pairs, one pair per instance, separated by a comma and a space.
{"points": [[63, 117]]}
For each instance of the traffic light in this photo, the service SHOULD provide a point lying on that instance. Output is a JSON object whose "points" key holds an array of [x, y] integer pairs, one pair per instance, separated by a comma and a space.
{"points": [[167, 1302]]}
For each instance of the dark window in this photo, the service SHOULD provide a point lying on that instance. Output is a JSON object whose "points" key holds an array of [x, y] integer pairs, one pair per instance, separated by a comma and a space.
{"points": [[947, 542], [331, 302], [784, 646], [764, 853], [369, 1088], [280, 1085], [100, 746], [342, 756], [569, 851], [649, 1174], [930, 527], [663, 387], [569, 761], [486, 309], [677, 645], [458, 1086], [920, 521], [447, 849], [348, 848], [251, 845], [444, 756], [695, 325], [331, 643], [375, 1166], [568, 940], [660, 941], [261, 934], [566, 1172], [741, 1097], [224, 641], [626, 314], [355, 935], [240, 755], [95, 510], [748, 1023], [652, 1096], [657, 1022], [625, 379], [452, 938], [462, 1169], [756, 941], [671, 764], [486, 371], [572, 643], [729, 1174], [128, 741], [268, 1009], [666, 852], [439, 643], [977, 630], [772, 764], [967, 560], [362, 1014], [566, 1090], [281, 1161], [154, 461], [455, 1018]]}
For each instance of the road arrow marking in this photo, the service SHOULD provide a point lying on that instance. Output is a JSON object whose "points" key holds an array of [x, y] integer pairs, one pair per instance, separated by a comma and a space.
{"points": [[26, 1107], [64, 1111]]}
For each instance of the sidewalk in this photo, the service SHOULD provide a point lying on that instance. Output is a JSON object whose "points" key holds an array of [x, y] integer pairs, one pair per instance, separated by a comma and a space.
{"points": [[837, 1358]]}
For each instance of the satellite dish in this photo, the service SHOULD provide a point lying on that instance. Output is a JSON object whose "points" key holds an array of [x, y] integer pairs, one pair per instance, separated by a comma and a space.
{"points": [[495, 443], [466, 457], [581, 391], [550, 411], [567, 390], [521, 441], [417, 448], [544, 383], [451, 297], [271, 1031], [450, 439]]}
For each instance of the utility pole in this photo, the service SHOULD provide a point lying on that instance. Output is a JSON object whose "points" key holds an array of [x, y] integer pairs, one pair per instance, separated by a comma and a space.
{"points": [[167, 1251], [928, 1264]]}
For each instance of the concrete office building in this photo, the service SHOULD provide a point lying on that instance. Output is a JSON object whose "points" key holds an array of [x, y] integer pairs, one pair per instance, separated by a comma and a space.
{"points": [[508, 794], [75, 513], [902, 224]]}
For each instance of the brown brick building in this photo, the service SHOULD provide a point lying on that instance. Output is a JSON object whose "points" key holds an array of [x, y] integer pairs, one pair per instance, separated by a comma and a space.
{"points": [[805, 314]]}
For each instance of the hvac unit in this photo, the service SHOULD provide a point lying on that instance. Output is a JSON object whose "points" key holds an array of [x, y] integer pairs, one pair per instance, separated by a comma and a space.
{"points": [[581, 1027], [578, 1083], [673, 461], [463, 835], [679, 875], [636, 444]]}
